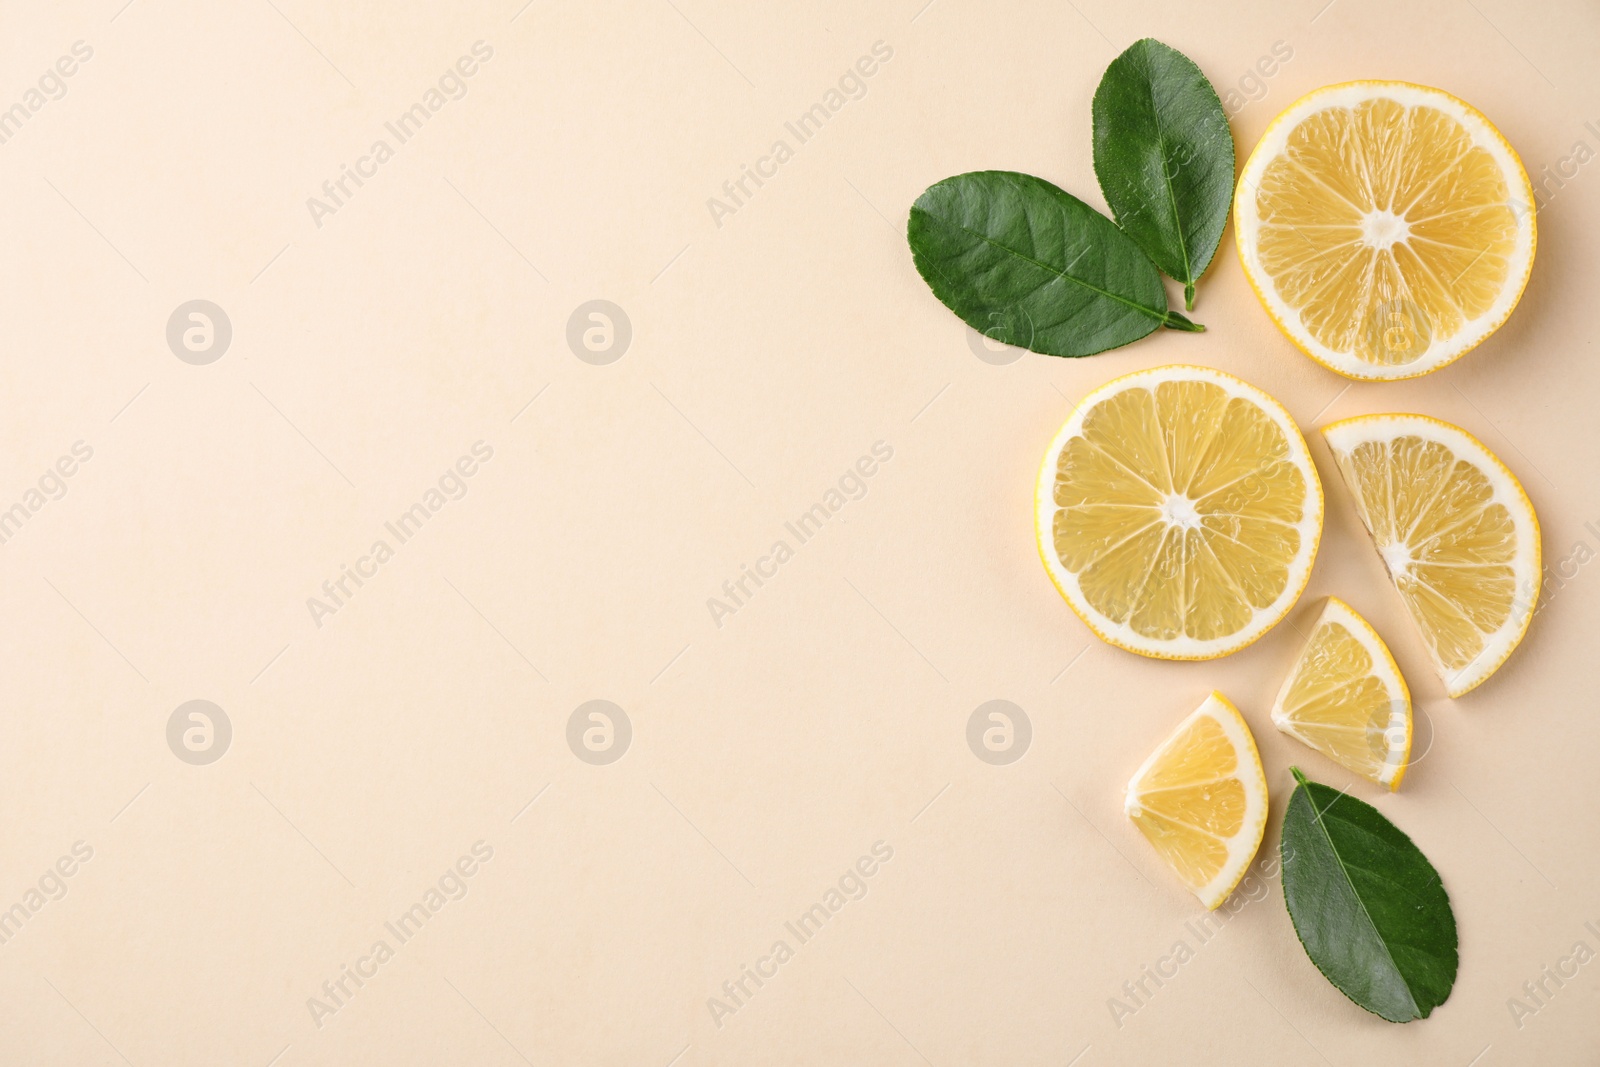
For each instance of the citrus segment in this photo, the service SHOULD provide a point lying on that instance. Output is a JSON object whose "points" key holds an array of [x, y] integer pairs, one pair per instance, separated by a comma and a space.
{"points": [[1201, 800], [1345, 697], [1455, 530]]}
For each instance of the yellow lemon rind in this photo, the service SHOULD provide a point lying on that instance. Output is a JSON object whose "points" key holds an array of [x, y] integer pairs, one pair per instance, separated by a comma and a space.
{"points": [[1244, 220], [1066, 583], [1384, 666], [1243, 846], [1466, 446]]}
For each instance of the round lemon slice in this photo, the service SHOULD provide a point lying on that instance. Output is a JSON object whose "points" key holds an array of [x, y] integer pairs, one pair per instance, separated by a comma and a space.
{"points": [[1201, 799], [1386, 227], [1345, 698], [1455, 531], [1178, 512]]}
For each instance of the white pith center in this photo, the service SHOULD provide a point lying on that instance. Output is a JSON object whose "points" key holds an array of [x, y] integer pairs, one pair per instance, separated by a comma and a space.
{"points": [[1382, 229], [1178, 510], [1397, 557]]}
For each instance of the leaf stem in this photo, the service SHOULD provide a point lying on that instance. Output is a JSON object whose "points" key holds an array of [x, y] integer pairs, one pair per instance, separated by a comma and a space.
{"points": [[1175, 321], [1188, 297], [1298, 776]]}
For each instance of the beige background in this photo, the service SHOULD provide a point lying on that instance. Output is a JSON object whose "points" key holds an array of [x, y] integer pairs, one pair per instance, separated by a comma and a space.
{"points": [[768, 354]]}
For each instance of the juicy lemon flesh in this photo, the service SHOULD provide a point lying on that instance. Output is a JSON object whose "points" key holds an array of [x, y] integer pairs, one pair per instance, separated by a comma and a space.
{"points": [[1192, 802], [1178, 510], [1386, 228], [1338, 706], [1448, 545]]}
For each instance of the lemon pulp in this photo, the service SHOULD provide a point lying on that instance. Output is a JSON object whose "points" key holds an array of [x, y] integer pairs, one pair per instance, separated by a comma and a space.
{"points": [[1201, 799], [1387, 227], [1456, 533], [1345, 698], [1179, 512]]}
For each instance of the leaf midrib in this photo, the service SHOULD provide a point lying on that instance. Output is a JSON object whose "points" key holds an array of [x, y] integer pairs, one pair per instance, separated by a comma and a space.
{"points": [[1316, 814], [1048, 268], [1172, 197]]}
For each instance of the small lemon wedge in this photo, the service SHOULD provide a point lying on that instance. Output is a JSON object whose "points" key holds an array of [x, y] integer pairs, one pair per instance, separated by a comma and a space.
{"points": [[1455, 530], [1201, 799], [1345, 698]]}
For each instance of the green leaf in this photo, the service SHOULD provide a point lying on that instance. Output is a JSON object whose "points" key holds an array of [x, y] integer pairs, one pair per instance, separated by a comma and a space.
{"points": [[1164, 156], [1030, 265], [1367, 905]]}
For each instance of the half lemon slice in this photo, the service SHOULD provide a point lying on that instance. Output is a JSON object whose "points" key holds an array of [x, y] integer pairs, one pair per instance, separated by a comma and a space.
{"points": [[1178, 512], [1201, 800], [1454, 529], [1386, 227], [1345, 698]]}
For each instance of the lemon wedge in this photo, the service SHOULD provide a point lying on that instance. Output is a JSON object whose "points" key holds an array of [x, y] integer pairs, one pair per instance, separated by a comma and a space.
{"points": [[1345, 698], [1201, 800], [1455, 530]]}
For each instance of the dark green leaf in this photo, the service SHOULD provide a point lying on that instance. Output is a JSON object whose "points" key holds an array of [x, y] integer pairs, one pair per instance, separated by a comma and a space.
{"points": [[1164, 157], [1030, 265], [1366, 903]]}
